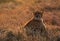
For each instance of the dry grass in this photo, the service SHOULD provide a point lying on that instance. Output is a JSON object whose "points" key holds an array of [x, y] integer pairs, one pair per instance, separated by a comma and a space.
{"points": [[15, 15]]}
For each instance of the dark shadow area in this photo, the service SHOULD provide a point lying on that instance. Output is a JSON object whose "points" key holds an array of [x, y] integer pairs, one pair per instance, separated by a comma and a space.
{"points": [[51, 9]]}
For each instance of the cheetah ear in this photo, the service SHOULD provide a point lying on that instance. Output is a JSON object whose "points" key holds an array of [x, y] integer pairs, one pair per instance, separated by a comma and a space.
{"points": [[41, 12]]}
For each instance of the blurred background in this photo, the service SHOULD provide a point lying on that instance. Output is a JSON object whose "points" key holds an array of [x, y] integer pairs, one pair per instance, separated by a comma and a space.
{"points": [[16, 13]]}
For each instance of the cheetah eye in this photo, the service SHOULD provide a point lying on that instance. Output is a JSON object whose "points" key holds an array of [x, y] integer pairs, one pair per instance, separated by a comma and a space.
{"points": [[37, 16]]}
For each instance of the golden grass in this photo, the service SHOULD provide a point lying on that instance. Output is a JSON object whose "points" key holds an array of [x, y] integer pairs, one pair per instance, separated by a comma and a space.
{"points": [[14, 16]]}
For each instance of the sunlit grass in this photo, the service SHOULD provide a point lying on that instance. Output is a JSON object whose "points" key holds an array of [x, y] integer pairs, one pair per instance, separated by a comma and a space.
{"points": [[4, 1]]}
